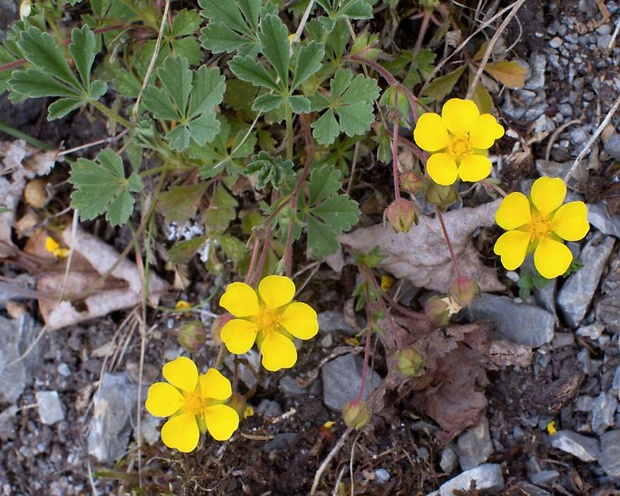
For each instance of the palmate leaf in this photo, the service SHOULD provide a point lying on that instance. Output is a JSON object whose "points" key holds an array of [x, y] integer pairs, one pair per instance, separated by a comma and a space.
{"points": [[101, 187], [275, 46], [233, 25], [188, 98], [349, 107], [52, 75]]}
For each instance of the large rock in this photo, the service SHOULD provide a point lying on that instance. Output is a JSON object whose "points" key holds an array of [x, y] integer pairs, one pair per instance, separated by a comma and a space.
{"points": [[115, 407], [576, 295], [521, 323], [487, 477]]}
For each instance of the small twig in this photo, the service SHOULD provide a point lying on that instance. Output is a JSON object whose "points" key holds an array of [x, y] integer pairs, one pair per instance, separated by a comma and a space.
{"points": [[330, 456], [594, 137], [555, 135], [487, 54], [303, 21]]}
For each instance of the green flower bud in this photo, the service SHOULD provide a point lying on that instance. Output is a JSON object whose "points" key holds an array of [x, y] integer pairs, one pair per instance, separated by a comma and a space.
{"points": [[409, 362], [216, 328], [412, 182], [401, 214], [463, 291], [437, 311], [441, 196], [356, 414], [192, 336]]}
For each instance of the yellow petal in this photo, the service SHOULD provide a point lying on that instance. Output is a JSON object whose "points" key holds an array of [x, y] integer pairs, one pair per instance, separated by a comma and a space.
{"points": [[214, 385], [221, 421], [484, 133], [474, 168], [442, 169], [430, 134], [300, 320], [163, 400], [240, 300], [181, 433], [239, 335], [552, 258], [459, 116], [512, 248], [276, 291], [513, 212], [278, 352], [570, 222], [548, 194], [182, 373]]}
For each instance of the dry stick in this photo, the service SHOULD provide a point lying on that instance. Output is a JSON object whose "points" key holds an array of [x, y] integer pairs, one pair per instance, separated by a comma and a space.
{"points": [[554, 136], [149, 71], [330, 456], [594, 137], [489, 50], [302, 23]]}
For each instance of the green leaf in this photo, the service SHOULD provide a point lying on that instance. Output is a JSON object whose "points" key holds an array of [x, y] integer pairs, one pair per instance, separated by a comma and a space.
{"points": [[249, 70], [267, 102], [232, 25], [176, 79], [340, 212], [43, 52], [183, 251], [187, 97], [180, 203], [322, 239], [35, 84], [269, 170], [101, 187], [275, 46], [324, 182], [233, 248], [221, 211], [83, 51], [62, 107], [443, 85], [308, 62], [299, 104], [351, 101], [185, 23]]}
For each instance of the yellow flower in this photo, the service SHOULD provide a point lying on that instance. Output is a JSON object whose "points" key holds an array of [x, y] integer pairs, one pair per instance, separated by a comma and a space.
{"points": [[458, 141], [270, 318], [540, 224], [194, 403]]}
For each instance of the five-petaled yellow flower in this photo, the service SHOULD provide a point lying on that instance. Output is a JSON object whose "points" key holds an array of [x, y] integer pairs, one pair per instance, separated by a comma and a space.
{"points": [[540, 224], [270, 318], [458, 141], [194, 402]]}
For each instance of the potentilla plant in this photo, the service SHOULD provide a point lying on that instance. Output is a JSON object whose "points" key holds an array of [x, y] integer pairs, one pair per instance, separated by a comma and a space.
{"points": [[246, 120]]}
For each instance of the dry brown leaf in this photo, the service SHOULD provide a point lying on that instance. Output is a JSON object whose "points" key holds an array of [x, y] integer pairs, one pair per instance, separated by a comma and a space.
{"points": [[20, 162], [421, 255], [90, 259]]}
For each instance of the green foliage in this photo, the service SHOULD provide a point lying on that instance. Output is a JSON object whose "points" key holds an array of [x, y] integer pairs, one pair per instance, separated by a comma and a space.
{"points": [[101, 187], [350, 100], [325, 212], [269, 170], [51, 75], [188, 98]]}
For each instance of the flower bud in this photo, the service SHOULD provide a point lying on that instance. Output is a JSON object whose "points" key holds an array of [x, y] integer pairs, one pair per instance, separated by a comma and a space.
{"points": [[463, 291], [441, 196], [192, 336], [238, 404], [409, 362], [401, 214], [356, 414], [412, 182], [437, 311], [216, 328]]}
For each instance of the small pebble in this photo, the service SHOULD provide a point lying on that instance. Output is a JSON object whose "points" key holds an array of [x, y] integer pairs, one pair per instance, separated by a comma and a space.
{"points": [[556, 42]]}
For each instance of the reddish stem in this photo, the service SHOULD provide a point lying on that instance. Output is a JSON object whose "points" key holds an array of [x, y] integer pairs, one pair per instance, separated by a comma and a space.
{"points": [[455, 262], [395, 123]]}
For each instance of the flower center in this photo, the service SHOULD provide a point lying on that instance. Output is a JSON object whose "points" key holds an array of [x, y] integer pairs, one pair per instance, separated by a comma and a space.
{"points": [[460, 147], [268, 320], [194, 404], [540, 226]]}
